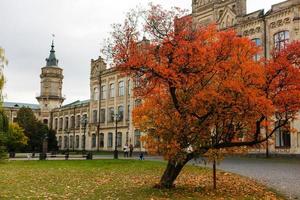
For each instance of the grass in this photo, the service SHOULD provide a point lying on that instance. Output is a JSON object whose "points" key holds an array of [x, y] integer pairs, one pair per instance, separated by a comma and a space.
{"points": [[121, 179]]}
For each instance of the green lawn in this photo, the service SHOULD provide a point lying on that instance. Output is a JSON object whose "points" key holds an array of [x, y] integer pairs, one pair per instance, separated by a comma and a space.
{"points": [[122, 179]]}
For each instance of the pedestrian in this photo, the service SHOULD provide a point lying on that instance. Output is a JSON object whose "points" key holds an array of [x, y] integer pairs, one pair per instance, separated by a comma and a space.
{"points": [[130, 150], [125, 149], [142, 156]]}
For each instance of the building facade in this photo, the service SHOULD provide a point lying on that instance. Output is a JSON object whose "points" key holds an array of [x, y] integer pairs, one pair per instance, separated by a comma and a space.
{"points": [[269, 30], [91, 124]]}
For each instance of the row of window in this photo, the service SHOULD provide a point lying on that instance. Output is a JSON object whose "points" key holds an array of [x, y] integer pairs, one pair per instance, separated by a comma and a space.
{"points": [[110, 114], [111, 90], [68, 142], [281, 39], [66, 123]]}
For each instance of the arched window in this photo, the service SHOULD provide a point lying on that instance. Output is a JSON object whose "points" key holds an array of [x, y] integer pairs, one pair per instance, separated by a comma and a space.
{"points": [[93, 140], [258, 43], [103, 92], [71, 141], [112, 90], [60, 123], [77, 141], [59, 142], [66, 142], [45, 121], [95, 116], [119, 139], [110, 140], [101, 140], [281, 39], [121, 88], [111, 113], [83, 141], [73, 122], [137, 138], [55, 124], [282, 136], [78, 121], [96, 93], [121, 112], [66, 123]]}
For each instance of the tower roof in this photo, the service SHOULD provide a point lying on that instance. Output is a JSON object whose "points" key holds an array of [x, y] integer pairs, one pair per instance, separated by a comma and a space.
{"points": [[52, 61]]}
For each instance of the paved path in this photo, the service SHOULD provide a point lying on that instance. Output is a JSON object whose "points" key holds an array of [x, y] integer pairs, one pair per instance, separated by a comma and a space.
{"points": [[281, 174]]}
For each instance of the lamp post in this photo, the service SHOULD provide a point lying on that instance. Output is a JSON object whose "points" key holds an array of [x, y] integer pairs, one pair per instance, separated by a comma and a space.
{"points": [[116, 153], [68, 145], [84, 123]]}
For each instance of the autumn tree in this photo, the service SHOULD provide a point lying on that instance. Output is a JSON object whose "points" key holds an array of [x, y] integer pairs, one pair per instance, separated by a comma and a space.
{"points": [[200, 87]]}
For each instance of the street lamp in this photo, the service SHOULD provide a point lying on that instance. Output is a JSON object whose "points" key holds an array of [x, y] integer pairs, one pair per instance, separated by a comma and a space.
{"points": [[84, 123], [117, 117], [68, 144]]}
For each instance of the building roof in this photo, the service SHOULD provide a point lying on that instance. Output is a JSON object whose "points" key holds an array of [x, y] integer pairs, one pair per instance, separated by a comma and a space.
{"points": [[52, 61], [20, 105], [76, 103]]}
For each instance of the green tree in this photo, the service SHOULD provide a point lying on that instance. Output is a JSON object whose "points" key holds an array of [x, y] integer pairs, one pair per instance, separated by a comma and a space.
{"points": [[3, 131], [15, 138]]}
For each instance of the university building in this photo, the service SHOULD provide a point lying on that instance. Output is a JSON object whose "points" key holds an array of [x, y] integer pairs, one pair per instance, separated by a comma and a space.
{"points": [[269, 30], [91, 124]]}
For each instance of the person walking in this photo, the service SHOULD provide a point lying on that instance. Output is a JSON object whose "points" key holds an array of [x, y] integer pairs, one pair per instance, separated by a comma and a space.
{"points": [[130, 150]]}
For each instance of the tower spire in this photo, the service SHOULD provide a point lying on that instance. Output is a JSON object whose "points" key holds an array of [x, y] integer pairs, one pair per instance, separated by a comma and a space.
{"points": [[52, 61]]}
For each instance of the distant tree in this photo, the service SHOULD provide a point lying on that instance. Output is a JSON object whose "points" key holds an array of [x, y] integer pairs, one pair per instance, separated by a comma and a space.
{"points": [[36, 131], [201, 88], [16, 138], [52, 141], [27, 120], [3, 134]]}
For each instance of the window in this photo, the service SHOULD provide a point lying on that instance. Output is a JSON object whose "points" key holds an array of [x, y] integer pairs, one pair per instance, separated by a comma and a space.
{"points": [[77, 142], [60, 123], [66, 142], [93, 140], [73, 122], [83, 141], [137, 138], [59, 142], [45, 121], [55, 124], [258, 43], [101, 140], [95, 116], [121, 112], [110, 140], [103, 92], [282, 137], [137, 102], [102, 115], [111, 113], [96, 93], [121, 88], [66, 123], [77, 121], [281, 39], [119, 139], [71, 141], [112, 90]]}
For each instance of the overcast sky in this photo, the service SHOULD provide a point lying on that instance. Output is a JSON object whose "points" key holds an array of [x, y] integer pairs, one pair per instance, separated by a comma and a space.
{"points": [[80, 27]]}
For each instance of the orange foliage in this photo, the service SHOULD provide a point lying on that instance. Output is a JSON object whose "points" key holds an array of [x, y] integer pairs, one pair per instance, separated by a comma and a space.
{"points": [[201, 88]]}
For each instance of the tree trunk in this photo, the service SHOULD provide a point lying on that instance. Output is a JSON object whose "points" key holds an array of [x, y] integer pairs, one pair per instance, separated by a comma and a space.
{"points": [[170, 174]]}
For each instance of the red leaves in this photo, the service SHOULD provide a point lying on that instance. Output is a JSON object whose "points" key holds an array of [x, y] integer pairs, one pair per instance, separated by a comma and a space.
{"points": [[201, 87]]}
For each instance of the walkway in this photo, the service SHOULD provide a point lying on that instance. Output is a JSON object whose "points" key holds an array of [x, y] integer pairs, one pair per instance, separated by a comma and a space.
{"points": [[281, 174]]}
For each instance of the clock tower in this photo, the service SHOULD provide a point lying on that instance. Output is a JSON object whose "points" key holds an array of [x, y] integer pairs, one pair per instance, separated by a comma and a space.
{"points": [[51, 86]]}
